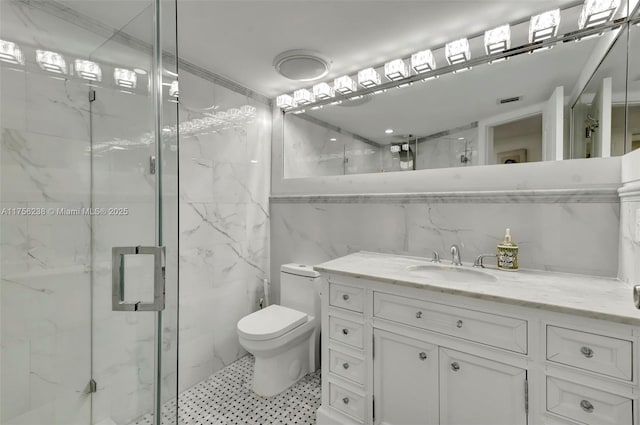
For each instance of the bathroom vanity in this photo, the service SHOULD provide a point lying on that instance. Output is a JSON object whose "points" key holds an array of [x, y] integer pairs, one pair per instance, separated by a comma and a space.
{"points": [[407, 341]]}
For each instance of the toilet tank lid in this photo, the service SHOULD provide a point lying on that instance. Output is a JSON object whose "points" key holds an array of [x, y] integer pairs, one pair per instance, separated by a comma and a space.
{"points": [[299, 270]]}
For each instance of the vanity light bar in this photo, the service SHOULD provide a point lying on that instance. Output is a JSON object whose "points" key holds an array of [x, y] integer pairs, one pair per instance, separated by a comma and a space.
{"points": [[88, 70], [285, 101], [303, 97], [344, 85], [497, 40], [396, 70], [457, 51], [544, 26], [423, 61], [369, 78], [323, 91], [234, 114], [125, 78], [597, 12], [51, 61], [11, 53]]}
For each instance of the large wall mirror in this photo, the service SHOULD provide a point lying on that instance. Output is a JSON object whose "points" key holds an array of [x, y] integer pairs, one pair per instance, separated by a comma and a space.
{"points": [[572, 95]]}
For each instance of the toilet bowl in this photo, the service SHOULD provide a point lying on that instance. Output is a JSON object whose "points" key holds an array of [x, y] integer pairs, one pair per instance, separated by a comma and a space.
{"points": [[284, 339]]}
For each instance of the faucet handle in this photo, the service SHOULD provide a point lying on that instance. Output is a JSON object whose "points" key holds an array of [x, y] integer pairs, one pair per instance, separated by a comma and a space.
{"points": [[435, 258], [480, 258]]}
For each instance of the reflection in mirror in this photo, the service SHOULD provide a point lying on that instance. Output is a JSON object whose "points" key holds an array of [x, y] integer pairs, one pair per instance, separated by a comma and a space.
{"points": [[599, 112], [508, 107], [633, 88]]}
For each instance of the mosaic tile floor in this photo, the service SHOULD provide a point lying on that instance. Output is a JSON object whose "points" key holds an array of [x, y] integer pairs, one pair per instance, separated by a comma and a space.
{"points": [[226, 398]]}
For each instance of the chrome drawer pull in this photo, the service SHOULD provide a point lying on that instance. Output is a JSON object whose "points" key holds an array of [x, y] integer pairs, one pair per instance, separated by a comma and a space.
{"points": [[345, 331], [455, 366], [345, 365], [459, 324], [586, 406], [345, 400], [587, 352], [418, 315], [423, 356], [345, 297]]}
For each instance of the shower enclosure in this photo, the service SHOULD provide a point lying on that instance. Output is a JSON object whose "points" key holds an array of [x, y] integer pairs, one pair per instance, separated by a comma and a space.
{"points": [[88, 163]]}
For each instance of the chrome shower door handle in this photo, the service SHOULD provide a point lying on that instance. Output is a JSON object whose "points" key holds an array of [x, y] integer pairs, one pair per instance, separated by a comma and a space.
{"points": [[118, 303]]}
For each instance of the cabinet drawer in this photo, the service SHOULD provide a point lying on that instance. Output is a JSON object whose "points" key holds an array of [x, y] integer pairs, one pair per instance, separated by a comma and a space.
{"points": [[346, 331], [587, 405], [347, 297], [346, 401], [596, 353], [346, 366], [491, 329]]}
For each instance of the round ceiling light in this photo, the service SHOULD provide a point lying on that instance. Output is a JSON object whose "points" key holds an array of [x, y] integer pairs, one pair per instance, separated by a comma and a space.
{"points": [[301, 65]]}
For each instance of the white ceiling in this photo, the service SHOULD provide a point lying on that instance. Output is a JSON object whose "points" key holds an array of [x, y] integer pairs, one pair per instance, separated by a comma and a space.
{"points": [[238, 39]]}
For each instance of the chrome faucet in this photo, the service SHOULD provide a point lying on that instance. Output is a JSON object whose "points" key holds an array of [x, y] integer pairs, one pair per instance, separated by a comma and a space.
{"points": [[479, 258], [455, 255], [435, 258]]}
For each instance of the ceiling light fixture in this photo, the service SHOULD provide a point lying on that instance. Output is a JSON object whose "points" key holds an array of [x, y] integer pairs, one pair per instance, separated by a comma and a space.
{"points": [[423, 61], [369, 78], [597, 12], [497, 40], [323, 91], [344, 85], [389, 130], [10, 52], [544, 25], [303, 97], [125, 78], [51, 61], [396, 70], [457, 51], [88, 70], [140, 71], [301, 65]]}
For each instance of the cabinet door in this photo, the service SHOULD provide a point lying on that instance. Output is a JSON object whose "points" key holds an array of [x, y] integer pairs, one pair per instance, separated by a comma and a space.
{"points": [[478, 391], [405, 380]]}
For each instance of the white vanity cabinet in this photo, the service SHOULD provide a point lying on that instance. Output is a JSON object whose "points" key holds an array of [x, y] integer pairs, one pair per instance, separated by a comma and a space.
{"points": [[399, 355]]}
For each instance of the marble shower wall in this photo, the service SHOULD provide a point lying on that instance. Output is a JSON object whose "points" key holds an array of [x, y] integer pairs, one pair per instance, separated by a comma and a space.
{"points": [[567, 232], [224, 223], [630, 218]]}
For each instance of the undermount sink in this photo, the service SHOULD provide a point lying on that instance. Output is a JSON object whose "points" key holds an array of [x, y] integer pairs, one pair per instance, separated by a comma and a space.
{"points": [[450, 273]]}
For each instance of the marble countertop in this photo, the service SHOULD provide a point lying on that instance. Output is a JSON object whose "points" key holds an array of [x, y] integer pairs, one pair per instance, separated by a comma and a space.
{"points": [[588, 296]]}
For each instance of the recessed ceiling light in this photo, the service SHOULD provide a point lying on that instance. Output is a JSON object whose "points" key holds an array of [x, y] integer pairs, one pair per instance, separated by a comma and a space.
{"points": [[333, 139], [301, 65], [140, 71], [389, 130]]}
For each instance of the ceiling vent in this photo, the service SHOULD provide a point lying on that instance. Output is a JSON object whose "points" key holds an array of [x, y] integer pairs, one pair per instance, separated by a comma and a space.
{"points": [[509, 100], [301, 65]]}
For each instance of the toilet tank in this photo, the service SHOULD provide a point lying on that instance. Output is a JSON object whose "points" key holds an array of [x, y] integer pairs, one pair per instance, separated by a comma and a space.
{"points": [[300, 288]]}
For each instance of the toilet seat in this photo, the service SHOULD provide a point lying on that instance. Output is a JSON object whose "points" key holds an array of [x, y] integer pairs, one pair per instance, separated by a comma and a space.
{"points": [[270, 322]]}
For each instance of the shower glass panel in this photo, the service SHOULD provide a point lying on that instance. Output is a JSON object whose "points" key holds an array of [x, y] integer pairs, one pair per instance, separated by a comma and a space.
{"points": [[85, 166]]}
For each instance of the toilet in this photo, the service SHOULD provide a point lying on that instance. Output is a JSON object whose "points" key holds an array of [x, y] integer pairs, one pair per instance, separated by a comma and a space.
{"points": [[285, 338]]}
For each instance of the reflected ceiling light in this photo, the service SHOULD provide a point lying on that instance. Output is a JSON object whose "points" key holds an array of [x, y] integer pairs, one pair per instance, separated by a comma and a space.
{"points": [[497, 40], [396, 70], [333, 139], [10, 52], [248, 110], [285, 101], [344, 85], [88, 70], [597, 12], [234, 113], [394, 148], [323, 91], [301, 111], [125, 78], [369, 78], [140, 71], [51, 61], [389, 130], [303, 97], [423, 61], [457, 51], [174, 89], [544, 26], [433, 77]]}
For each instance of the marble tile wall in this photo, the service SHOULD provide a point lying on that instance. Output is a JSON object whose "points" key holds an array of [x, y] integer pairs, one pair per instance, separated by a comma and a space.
{"points": [[629, 265], [224, 223], [561, 233]]}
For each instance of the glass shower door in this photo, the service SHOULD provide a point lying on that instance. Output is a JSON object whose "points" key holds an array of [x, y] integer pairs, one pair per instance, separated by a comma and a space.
{"points": [[134, 221]]}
